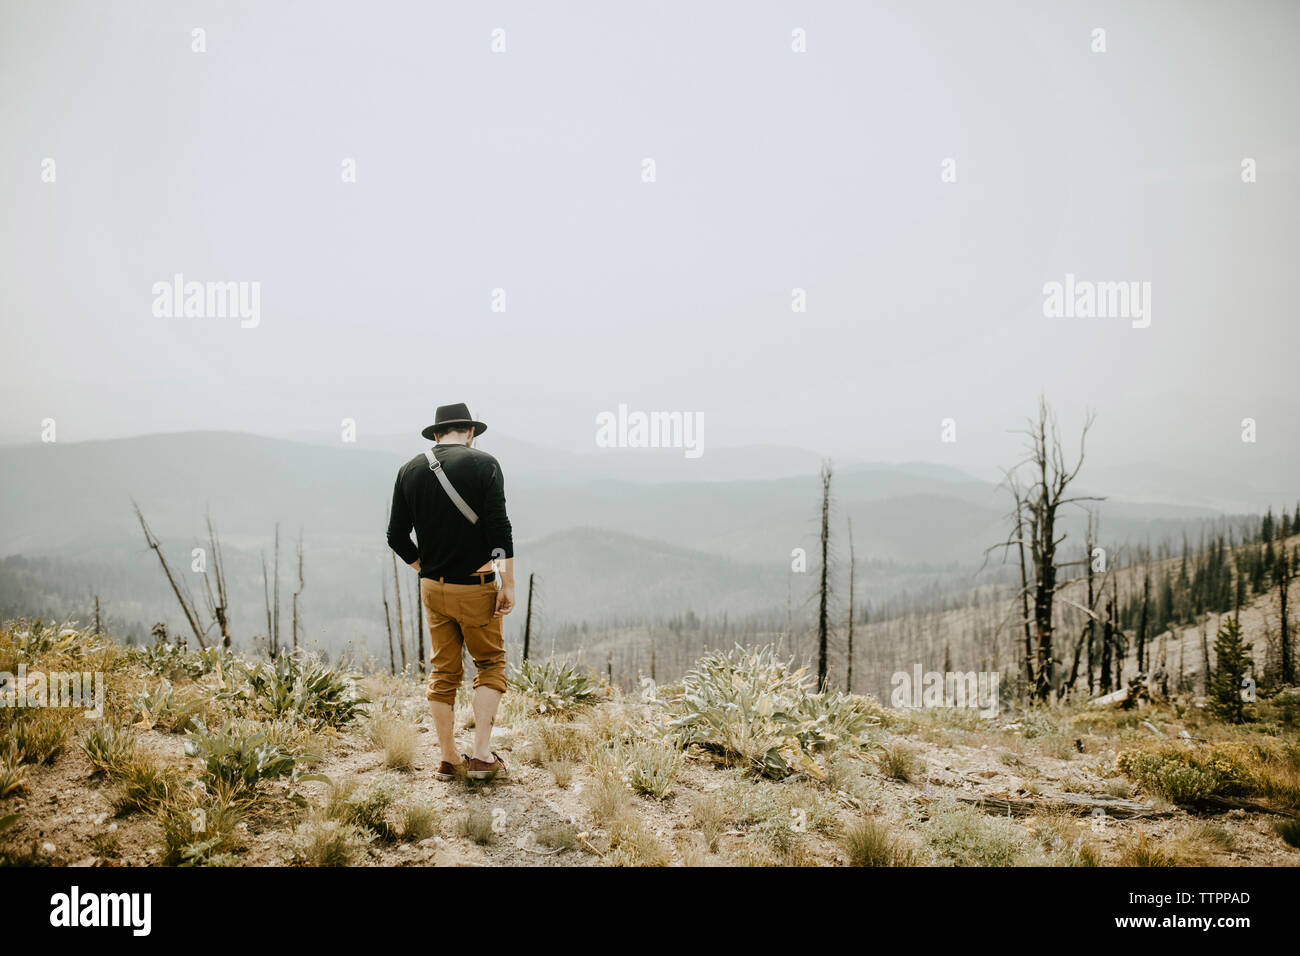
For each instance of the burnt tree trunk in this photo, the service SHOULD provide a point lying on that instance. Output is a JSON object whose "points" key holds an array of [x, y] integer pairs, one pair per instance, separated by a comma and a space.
{"points": [[401, 623], [388, 621], [276, 594], [1142, 619], [848, 678], [528, 625], [187, 605], [822, 590]]}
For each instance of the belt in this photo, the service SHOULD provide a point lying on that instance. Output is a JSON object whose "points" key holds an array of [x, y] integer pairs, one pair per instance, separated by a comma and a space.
{"points": [[478, 577]]}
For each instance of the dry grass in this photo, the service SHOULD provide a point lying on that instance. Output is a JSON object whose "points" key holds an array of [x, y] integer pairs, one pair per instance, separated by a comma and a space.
{"points": [[899, 762], [561, 772], [632, 844], [870, 842], [963, 836], [325, 842], [1141, 850], [396, 738], [607, 798], [476, 825], [711, 816], [558, 836], [419, 822]]}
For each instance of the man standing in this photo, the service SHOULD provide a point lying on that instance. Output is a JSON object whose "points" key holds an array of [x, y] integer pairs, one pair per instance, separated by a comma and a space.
{"points": [[454, 497]]}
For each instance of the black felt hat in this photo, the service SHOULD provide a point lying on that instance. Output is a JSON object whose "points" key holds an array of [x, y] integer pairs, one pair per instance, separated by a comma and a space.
{"points": [[449, 415]]}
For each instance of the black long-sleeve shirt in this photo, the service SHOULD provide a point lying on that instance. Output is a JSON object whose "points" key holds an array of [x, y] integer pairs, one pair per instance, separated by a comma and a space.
{"points": [[448, 545]]}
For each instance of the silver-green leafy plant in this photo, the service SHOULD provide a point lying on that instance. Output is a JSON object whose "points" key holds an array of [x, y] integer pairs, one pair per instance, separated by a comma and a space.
{"points": [[555, 687], [752, 707]]}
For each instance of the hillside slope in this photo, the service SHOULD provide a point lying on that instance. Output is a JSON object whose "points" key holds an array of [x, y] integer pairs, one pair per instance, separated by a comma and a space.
{"points": [[603, 781]]}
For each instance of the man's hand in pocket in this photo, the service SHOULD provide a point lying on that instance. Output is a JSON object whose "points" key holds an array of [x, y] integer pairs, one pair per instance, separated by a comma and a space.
{"points": [[505, 601]]}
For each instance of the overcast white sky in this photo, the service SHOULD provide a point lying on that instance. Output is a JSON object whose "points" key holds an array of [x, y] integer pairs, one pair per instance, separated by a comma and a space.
{"points": [[522, 170]]}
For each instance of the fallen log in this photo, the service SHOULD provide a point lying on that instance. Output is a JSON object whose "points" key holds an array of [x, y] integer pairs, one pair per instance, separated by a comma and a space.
{"points": [[1075, 803], [1224, 804]]}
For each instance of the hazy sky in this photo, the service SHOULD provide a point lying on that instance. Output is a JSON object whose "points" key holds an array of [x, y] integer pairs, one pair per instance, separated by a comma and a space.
{"points": [[522, 170]]}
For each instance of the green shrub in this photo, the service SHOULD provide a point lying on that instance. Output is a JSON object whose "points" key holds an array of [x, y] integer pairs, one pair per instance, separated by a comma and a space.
{"points": [[13, 773], [1036, 723], [199, 827], [651, 767], [177, 660], [367, 807], [39, 733], [169, 709], [144, 785], [237, 758], [963, 836], [553, 687], [304, 689], [754, 708], [1190, 776], [33, 639], [110, 749]]}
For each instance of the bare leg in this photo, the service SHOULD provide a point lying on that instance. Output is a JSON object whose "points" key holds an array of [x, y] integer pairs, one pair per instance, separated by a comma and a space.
{"points": [[485, 713], [444, 721]]}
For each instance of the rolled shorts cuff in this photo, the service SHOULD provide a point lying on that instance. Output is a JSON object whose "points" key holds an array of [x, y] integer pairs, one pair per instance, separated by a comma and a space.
{"points": [[441, 697], [493, 679]]}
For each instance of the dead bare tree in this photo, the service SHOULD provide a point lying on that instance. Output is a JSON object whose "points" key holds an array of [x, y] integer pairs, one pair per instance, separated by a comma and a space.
{"points": [[182, 596], [302, 586], [1142, 619], [266, 597], [848, 679], [1107, 643], [218, 600], [1037, 511], [1205, 654], [417, 621], [528, 625], [1017, 495], [401, 623], [275, 639], [388, 620], [1117, 634], [822, 590], [1090, 543], [1284, 572], [1085, 634]]}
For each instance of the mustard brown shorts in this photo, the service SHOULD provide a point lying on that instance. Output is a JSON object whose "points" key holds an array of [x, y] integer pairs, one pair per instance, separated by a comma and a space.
{"points": [[461, 616]]}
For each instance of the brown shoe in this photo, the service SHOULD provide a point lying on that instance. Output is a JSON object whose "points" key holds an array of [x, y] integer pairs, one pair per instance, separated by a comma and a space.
{"points": [[447, 771], [487, 769]]}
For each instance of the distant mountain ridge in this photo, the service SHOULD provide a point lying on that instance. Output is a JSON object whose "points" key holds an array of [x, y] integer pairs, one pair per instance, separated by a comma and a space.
{"points": [[60, 497], [606, 548]]}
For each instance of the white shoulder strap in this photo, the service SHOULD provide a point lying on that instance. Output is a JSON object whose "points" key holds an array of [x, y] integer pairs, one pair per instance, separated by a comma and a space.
{"points": [[435, 466]]}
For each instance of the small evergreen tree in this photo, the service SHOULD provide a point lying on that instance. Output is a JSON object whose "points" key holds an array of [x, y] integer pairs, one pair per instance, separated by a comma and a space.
{"points": [[1232, 661]]}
